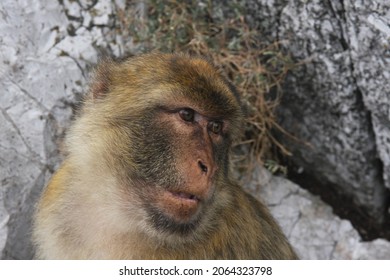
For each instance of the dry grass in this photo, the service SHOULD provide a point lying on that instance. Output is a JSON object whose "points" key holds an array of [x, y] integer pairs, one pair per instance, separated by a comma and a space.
{"points": [[206, 28]]}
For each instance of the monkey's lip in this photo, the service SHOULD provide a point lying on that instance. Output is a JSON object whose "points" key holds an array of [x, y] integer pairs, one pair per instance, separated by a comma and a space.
{"points": [[181, 204], [185, 196]]}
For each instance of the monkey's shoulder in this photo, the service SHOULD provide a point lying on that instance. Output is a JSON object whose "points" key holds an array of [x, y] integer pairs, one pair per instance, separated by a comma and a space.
{"points": [[254, 232], [56, 186]]}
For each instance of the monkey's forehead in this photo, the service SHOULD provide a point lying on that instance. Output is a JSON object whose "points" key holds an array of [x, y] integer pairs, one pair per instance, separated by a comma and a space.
{"points": [[183, 77]]}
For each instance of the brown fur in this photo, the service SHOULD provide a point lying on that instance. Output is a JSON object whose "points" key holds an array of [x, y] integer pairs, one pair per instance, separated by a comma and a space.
{"points": [[130, 149]]}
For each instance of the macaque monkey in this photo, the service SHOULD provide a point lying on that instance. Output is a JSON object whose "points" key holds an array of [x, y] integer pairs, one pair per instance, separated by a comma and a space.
{"points": [[146, 171]]}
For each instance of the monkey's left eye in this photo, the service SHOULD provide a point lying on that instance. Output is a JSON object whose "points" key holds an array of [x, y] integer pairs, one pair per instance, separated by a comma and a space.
{"points": [[187, 114], [215, 127]]}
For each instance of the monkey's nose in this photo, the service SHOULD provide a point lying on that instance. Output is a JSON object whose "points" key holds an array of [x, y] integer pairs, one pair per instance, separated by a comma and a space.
{"points": [[202, 166]]}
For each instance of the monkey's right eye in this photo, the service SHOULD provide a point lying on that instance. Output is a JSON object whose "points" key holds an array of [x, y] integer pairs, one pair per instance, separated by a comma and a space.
{"points": [[187, 114]]}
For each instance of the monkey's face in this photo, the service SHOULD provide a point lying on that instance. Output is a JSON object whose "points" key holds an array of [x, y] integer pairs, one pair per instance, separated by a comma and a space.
{"points": [[179, 115], [182, 155]]}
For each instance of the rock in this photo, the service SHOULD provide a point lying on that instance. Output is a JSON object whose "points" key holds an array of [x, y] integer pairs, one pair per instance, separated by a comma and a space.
{"points": [[337, 102], [310, 224], [4, 217]]}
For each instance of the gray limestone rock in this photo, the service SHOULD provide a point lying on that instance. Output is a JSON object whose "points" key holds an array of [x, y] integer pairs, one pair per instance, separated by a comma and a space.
{"points": [[337, 101], [310, 225]]}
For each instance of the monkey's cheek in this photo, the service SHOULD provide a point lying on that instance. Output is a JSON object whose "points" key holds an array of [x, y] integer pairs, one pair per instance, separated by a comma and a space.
{"points": [[180, 209]]}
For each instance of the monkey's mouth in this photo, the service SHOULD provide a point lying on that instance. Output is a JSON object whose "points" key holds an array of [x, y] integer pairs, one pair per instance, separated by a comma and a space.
{"points": [[185, 196], [182, 207]]}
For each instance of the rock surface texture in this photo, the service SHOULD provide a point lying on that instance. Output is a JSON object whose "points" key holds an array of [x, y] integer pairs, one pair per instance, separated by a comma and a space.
{"points": [[46, 47], [337, 102], [310, 224]]}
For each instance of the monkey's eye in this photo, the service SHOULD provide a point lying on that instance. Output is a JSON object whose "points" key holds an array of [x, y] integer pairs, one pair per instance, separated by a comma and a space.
{"points": [[215, 126], [187, 114]]}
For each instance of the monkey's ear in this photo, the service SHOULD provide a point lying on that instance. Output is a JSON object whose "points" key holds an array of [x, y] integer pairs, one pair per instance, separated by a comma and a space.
{"points": [[101, 79]]}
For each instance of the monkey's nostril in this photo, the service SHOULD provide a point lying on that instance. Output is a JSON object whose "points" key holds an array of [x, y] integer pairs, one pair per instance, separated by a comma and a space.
{"points": [[202, 166]]}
